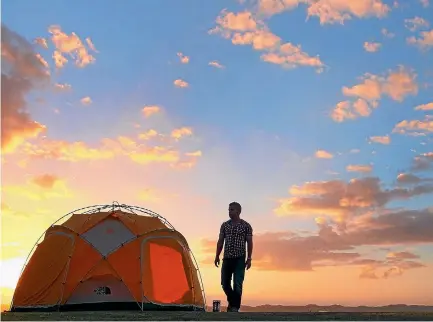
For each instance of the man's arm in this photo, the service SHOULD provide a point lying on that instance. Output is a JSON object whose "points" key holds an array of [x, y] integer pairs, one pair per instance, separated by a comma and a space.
{"points": [[219, 246], [250, 246], [249, 239]]}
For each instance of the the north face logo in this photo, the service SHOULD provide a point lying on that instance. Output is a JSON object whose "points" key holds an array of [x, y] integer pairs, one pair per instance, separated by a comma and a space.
{"points": [[102, 290]]}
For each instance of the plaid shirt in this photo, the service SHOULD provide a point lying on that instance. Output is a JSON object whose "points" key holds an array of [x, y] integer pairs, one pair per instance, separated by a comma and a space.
{"points": [[235, 238]]}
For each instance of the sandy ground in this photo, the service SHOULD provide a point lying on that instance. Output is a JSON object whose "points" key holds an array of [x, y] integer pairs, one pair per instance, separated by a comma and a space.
{"points": [[209, 316]]}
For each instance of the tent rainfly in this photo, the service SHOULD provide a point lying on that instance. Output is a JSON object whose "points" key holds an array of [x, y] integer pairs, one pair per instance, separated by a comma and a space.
{"points": [[110, 257]]}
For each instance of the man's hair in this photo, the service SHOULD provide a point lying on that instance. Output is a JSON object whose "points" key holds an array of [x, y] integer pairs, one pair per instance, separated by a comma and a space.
{"points": [[237, 205]]}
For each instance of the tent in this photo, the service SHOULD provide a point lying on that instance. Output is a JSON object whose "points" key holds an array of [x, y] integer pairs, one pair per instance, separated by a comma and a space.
{"points": [[110, 257]]}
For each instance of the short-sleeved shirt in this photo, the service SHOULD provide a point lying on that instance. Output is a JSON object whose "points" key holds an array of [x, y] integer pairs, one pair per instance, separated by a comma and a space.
{"points": [[235, 237]]}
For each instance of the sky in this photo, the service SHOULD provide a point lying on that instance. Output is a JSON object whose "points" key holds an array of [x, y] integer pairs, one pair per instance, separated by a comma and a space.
{"points": [[316, 116]]}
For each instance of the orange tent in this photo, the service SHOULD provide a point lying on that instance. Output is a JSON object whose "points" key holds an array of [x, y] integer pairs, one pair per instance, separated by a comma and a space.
{"points": [[110, 257]]}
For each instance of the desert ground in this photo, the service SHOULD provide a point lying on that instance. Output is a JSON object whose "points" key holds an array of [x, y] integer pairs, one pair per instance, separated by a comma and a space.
{"points": [[220, 316]]}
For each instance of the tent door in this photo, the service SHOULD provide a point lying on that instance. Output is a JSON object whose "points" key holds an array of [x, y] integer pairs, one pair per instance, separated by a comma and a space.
{"points": [[165, 279]]}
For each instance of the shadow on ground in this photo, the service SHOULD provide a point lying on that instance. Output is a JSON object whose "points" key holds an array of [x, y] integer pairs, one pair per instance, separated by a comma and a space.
{"points": [[209, 316]]}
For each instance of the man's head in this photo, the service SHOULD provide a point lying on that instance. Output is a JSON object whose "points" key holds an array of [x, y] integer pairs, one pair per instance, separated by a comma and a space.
{"points": [[235, 210]]}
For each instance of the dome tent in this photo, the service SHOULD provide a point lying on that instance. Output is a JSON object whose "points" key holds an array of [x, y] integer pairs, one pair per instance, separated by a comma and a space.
{"points": [[110, 257]]}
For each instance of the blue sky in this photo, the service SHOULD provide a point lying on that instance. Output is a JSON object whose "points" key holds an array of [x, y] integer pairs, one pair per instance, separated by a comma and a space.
{"points": [[257, 124]]}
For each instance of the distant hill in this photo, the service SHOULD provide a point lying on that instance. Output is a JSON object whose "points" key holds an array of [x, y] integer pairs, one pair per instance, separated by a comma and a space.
{"points": [[332, 308]]}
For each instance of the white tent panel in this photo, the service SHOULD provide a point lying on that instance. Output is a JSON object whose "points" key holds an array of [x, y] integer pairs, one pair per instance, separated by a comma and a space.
{"points": [[101, 290], [108, 235]]}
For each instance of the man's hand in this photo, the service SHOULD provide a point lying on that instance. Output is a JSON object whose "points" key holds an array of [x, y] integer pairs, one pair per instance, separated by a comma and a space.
{"points": [[217, 261], [248, 263]]}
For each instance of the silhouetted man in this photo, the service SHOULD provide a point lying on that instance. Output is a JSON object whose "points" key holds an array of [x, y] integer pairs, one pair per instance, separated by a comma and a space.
{"points": [[234, 235]]}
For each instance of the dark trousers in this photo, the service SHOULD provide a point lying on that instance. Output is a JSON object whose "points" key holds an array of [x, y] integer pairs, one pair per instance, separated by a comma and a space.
{"points": [[233, 267]]}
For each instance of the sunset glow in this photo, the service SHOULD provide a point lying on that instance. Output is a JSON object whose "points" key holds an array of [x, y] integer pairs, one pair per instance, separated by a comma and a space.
{"points": [[316, 116]]}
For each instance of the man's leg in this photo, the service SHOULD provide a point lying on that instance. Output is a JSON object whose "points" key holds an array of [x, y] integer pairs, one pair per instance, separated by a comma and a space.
{"points": [[227, 268], [239, 275]]}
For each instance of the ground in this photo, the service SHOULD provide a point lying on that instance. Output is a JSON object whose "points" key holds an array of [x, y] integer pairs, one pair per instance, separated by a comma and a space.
{"points": [[209, 316]]}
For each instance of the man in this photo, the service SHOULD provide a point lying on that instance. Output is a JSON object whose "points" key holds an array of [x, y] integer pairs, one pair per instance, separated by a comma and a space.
{"points": [[234, 234]]}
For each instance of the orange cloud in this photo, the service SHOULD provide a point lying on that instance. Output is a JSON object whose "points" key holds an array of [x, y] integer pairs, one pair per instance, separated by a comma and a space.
{"points": [[397, 85], [416, 23], [148, 134], [86, 100], [150, 110], [338, 11], [414, 126], [342, 201], [216, 64], [46, 181], [372, 46], [122, 146], [180, 83], [244, 29], [328, 11], [322, 154], [424, 107], [72, 46], [22, 71], [359, 168], [40, 188], [424, 41], [181, 132], [183, 59], [242, 21], [41, 42], [380, 139]]}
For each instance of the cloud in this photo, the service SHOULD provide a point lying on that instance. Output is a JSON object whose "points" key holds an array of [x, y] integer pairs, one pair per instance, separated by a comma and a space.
{"points": [[342, 200], [72, 46], [62, 87], [180, 83], [422, 162], [216, 64], [417, 127], [423, 42], [22, 72], [181, 132], [359, 168], [41, 187], [416, 23], [322, 154], [41, 42], [328, 11], [149, 110], [86, 100], [408, 178], [372, 46], [139, 150], [183, 59], [424, 3], [387, 33], [397, 85], [46, 181], [148, 134], [244, 29], [290, 251], [338, 11], [380, 139], [424, 107]]}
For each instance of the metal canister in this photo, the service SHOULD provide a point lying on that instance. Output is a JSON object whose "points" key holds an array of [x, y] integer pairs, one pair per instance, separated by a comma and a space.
{"points": [[216, 307]]}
